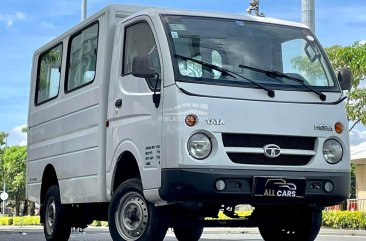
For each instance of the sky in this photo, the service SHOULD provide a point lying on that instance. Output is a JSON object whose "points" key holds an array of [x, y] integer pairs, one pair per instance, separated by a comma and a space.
{"points": [[27, 25]]}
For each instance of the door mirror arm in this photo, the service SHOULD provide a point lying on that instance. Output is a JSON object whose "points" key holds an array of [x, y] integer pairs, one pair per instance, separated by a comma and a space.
{"points": [[156, 96]]}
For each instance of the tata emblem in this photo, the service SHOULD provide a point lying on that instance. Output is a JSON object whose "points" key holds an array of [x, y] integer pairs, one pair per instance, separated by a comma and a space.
{"points": [[215, 122], [272, 150]]}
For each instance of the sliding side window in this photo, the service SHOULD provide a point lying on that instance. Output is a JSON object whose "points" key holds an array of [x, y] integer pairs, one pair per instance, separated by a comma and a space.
{"points": [[49, 74], [82, 58]]}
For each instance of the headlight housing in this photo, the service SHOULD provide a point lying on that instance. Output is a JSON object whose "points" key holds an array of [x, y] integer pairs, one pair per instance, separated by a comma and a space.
{"points": [[199, 146], [332, 151]]}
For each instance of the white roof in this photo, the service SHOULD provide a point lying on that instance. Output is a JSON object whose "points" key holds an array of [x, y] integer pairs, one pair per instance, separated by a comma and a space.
{"points": [[358, 153], [125, 10]]}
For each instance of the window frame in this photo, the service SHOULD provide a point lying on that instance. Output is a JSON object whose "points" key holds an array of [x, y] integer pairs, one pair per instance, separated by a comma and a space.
{"points": [[69, 56], [41, 55], [124, 52], [124, 44]]}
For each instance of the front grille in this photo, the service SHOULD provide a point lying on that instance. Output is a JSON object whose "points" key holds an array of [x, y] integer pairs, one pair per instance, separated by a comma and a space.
{"points": [[284, 142], [245, 155], [260, 159]]}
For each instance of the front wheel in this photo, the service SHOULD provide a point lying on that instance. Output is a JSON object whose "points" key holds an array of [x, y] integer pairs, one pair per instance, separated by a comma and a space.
{"points": [[132, 218], [56, 226], [301, 224], [188, 233]]}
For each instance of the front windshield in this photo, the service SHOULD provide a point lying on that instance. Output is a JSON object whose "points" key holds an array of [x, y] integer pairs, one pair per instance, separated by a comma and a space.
{"points": [[243, 47]]}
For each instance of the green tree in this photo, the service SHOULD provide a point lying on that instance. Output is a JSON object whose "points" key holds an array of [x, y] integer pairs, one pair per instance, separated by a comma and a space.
{"points": [[14, 172], [353, 56], [3, 136], [24, 129]]}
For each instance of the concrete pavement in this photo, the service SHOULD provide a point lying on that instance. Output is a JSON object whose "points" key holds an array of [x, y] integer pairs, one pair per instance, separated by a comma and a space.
{"points": [[323, 231]]}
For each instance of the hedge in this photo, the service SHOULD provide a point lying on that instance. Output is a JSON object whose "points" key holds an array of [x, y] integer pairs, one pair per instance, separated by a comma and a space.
{"points": [[20, 221], [6, 221], [331, 219], [344, 220]]}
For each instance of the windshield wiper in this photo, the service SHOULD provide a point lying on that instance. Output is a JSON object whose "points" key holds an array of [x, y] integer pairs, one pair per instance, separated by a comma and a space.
{"points": [[274, 74], [233, 74]]}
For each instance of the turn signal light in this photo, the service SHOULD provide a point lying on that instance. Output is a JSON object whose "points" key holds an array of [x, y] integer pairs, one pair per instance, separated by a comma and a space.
{"points": [[191, 120], [339, 127]]}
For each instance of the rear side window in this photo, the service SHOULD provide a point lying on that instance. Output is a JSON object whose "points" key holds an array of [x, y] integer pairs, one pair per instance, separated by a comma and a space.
{"points": [[49, 74], [82, 58]]}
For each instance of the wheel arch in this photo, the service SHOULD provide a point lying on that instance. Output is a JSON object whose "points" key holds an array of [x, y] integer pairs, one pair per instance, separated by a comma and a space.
{"points": [[49, 178], [126, 168], [128, 162]]}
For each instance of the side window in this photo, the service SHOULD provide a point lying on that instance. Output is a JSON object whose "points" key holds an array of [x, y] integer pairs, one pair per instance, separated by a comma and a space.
{"points": [[49, 74], [139, 40], [82, 58]]}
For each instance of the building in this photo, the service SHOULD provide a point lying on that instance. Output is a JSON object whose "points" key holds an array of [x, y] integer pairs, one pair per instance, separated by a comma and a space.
{"points": [[358, 157]]}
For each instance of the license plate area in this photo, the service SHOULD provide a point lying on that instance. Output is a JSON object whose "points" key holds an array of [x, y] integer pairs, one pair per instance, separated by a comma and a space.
{"points": [[279, 187]]}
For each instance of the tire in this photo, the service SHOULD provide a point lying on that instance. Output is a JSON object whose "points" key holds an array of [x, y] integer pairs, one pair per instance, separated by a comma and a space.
{"points": [[304, 226], [132, 217], [188, 233], [56, 226]]}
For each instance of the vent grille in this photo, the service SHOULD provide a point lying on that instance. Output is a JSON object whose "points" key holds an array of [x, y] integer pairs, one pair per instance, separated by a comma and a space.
{"points": [[284, 142], [260, 159], [297, 143]]}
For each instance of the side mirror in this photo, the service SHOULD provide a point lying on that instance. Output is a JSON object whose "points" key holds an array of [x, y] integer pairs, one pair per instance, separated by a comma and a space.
{"points": [[141, 67], [344, 76]]}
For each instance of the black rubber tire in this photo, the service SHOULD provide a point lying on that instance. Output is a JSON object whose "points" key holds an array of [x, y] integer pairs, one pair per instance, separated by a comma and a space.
{"points": [[128, 203], [304, 225], [188, 233], [56, 226]]}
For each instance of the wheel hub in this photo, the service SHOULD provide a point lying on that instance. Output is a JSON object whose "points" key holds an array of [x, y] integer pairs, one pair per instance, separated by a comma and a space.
{"points": [[50, 216], [132, 216]]}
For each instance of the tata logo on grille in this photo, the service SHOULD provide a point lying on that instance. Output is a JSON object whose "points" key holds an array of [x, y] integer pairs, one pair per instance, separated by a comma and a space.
{"points": [[272, 150]]}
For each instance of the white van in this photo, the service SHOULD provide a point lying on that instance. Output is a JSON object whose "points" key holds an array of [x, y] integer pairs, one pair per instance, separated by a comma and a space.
{"points": [[153, 118]]}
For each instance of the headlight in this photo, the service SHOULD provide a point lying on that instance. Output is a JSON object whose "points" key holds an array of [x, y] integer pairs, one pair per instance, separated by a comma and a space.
{"points": [[332, 151], [199, 146]]}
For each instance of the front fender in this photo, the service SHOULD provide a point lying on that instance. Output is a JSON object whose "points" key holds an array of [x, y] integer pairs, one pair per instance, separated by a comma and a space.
{"points": [[150, 177]]}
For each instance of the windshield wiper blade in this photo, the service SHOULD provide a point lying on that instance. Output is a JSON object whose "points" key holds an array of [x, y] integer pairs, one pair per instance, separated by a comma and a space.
{"points": [[274, 74], [233, 74]]}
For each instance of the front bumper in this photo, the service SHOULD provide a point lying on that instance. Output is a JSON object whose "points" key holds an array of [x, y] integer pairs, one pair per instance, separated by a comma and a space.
{"points": [[198, 185]]}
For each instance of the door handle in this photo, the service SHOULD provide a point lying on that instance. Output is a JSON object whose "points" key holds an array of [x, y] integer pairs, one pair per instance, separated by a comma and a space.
{"points": [[118, 103]]}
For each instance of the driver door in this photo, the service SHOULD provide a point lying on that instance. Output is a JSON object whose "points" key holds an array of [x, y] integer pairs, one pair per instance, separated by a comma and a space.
{"points": [[136, 121]]}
